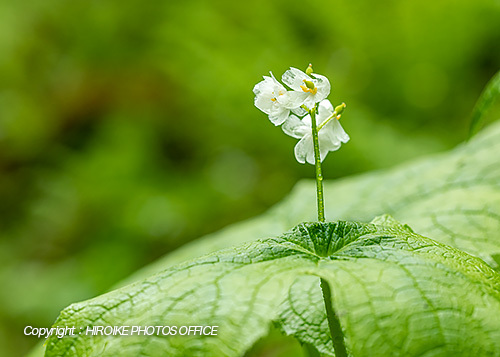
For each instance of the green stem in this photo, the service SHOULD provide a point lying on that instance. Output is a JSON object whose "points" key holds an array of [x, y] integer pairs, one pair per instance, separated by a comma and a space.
{"points": [[317, 160], [333, 322]]}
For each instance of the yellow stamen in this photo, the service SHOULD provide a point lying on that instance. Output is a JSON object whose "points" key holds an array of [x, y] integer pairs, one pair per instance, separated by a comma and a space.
{"points": [[309, 90]]}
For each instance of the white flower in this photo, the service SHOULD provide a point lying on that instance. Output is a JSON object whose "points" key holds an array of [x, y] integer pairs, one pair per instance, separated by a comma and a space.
{"points": [[330, 135], [308, 90], [271, 97]]}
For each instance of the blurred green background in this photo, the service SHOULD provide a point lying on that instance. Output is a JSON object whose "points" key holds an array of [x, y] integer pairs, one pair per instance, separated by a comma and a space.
{"points": [[128, 128]]}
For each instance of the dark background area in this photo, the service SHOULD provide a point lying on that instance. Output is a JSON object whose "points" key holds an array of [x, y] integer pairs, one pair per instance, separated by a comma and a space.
{"points": [[128, 128]]}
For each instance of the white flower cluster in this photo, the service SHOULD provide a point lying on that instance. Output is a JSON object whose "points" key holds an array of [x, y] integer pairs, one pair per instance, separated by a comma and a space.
{"points": [[293, 109]]}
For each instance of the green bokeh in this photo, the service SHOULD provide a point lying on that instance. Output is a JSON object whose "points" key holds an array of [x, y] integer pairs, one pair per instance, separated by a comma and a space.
{"points": [[128, 128]]}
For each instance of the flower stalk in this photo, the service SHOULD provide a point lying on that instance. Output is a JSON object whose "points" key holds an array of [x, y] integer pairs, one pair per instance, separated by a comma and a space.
{"points": [[317, 164]]}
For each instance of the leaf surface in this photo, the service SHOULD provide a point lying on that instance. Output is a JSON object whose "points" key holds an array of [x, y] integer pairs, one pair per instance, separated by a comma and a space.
{"points": [[395, 292]]}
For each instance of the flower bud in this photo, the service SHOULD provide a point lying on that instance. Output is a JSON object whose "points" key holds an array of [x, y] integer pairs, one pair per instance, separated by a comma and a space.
{"points": [[340, 108], [309, 69]]}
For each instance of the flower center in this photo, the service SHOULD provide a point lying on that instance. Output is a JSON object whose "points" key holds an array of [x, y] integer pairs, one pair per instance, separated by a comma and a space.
{"points": [[309, 87], [275, 98]]}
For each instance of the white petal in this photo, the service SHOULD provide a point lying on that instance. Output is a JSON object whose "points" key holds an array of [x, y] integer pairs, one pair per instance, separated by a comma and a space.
{"points": [[325, 110], [326, 145], [327, 106], [294, 78], [323, 85], [292, 100], [327, 142], [263, 87], [295, 128], [264, 94], [327, 138], [331, 137], [307, 121], [278, 114], [304, 150], [339, 132], [263, 103]]}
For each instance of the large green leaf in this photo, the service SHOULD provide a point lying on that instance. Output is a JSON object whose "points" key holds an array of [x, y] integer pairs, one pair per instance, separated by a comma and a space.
{"points": [[452, 197], [396, 294]]}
